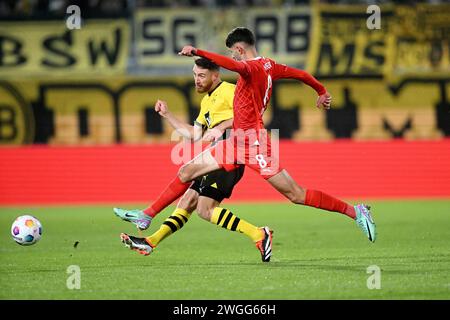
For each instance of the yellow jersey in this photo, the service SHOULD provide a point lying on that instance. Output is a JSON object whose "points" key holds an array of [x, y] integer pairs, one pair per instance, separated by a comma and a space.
{"points": [[216, 106]]}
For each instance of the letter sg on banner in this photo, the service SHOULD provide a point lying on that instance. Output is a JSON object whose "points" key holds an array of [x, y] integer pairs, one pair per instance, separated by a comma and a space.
{"points": [[160, 34]]}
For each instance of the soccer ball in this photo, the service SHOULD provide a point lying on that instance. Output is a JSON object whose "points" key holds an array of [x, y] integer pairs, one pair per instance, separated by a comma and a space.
{"points": [[26, 230]]}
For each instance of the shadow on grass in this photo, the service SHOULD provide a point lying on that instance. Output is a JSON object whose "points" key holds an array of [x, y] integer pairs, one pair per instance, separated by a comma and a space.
{"points": [[387, 264]]}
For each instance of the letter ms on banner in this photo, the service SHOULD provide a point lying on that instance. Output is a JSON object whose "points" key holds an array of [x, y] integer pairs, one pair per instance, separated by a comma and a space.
{"points": [[344, 47], [411, 42], [48, 48]]}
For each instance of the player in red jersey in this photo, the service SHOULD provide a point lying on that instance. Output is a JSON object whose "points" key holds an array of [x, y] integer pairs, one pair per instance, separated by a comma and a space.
{"points": [[249, 144]]}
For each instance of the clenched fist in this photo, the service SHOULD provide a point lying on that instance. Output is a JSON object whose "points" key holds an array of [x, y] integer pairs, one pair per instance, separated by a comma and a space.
{"points": [[188, 51]]}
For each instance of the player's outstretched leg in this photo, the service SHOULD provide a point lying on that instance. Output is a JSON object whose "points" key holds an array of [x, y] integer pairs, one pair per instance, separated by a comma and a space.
{"points": [[318, 199], [200, 165], [365, 222], [262, 237], [140, 245], [137, 217], [172, 224]]}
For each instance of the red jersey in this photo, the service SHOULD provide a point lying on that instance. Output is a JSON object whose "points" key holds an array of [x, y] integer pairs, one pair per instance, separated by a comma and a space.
{"points": [[254, 86]]}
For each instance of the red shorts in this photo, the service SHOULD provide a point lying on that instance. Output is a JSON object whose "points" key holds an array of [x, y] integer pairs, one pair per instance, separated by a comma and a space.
{"points": [[251, 148]]}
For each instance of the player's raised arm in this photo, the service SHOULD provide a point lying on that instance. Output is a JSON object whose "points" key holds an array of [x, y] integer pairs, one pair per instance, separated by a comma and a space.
{"points": [[240, 67], [186, 130], [282, 71]]}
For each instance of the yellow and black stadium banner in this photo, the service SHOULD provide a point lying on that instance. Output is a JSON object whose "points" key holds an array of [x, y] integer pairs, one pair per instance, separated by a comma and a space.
{"points": [[105, 110], [95, 86], [327, 40], [282, 34], [44, 49], [412, 42]]}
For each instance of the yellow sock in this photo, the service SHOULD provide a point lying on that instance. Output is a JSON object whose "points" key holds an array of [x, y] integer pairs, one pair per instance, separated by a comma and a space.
{"points": [[226, 219], [172, 224]]}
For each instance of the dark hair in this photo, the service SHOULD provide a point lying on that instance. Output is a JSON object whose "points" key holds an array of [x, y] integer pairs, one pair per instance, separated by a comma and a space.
{"points": [[206, 64], [240, 34]]}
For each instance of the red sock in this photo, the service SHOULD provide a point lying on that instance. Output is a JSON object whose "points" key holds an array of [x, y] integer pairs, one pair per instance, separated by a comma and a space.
{"points": [[172, 192], [321, 200]]}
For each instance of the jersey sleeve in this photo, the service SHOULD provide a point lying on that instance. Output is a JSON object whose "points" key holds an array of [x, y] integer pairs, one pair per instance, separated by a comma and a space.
{"points": [[240, 67], [200, 120], [282, 71]]}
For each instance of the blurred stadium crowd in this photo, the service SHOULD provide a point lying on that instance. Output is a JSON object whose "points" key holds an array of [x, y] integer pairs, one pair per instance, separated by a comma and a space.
{"points": [[97, 8]]}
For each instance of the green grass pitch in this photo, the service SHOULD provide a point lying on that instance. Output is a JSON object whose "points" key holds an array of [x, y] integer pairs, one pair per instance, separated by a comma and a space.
{"points": [[317, 255]]}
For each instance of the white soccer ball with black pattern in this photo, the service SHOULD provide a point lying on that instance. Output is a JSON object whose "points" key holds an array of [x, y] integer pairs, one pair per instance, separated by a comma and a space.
{"points": [[26, 230]]}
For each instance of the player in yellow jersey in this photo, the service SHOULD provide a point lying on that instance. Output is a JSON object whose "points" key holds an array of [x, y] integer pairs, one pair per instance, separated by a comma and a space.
{"points": [[206, 192]]}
